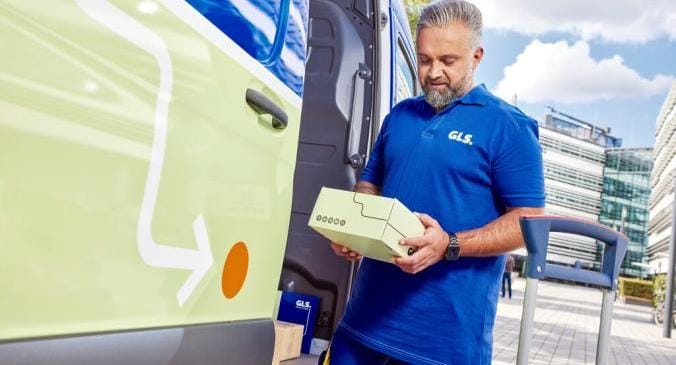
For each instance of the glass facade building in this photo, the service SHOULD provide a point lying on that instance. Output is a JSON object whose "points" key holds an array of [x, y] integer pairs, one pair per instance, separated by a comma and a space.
{"points": [[625, 203]]}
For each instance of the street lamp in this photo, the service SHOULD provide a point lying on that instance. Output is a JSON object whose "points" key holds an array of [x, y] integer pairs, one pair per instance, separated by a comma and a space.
{"points": [[669, 299]]}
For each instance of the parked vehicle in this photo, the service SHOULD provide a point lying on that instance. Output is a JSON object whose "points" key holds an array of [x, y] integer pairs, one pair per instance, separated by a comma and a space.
{"points": [[159, 160]]}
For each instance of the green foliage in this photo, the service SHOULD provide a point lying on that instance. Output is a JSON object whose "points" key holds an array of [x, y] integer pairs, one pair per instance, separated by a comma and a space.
{"points": [[413, 8], [636, 288], [659, 288]]}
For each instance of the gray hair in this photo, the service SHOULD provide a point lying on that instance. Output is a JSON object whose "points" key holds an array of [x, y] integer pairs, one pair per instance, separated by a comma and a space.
{"points": [[445, 12]]}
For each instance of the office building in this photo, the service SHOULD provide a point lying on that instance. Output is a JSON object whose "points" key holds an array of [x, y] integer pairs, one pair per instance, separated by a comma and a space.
{"points": [[574, 160], [661, 184], [624, 203]]}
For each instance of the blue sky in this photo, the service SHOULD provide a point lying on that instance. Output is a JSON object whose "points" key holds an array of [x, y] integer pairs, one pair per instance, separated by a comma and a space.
{"points": [[611, 68]]}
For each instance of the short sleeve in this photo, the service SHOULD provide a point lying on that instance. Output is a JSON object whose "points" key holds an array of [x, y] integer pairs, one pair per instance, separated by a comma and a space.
{"points": [[517, 175], [375, 168]]}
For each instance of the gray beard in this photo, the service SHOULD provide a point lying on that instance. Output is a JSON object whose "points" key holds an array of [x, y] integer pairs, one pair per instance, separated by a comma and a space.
{"points": [[439, 99]]}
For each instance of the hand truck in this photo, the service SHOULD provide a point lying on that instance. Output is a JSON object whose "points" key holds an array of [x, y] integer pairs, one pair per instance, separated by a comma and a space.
{"points": [[535, 230]]}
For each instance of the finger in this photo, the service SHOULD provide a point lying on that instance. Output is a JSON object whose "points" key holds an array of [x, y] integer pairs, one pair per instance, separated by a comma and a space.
{"points": [[429, 260], [424, 258], [337, 249], [416, 242], [409, 263], [421, 266], [426, 220], [402, 263], [406, 268], [342, 250]]}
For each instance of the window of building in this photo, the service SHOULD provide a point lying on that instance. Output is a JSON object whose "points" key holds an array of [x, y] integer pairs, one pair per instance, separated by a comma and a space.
{"points": [[572, 200], [571, 150], [574, 177]]}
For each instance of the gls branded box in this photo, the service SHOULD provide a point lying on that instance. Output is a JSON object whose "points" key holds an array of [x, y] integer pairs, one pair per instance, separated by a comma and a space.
{"points": [[301, 309], [369, 224]]}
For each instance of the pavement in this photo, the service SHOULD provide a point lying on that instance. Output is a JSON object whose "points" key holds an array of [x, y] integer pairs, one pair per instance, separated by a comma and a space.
{"points": [[566, 330]]}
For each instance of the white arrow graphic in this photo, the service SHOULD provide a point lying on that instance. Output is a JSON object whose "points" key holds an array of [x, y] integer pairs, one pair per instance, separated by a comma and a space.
{"points": [[155, 254]]}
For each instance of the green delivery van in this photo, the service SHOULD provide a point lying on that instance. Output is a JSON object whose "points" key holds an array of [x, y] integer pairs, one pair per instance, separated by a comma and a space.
{"points": [[159, 160]]}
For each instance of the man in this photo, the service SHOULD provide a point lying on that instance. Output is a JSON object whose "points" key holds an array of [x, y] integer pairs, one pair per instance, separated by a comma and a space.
{"points": [[471, 165], [507, 276]]}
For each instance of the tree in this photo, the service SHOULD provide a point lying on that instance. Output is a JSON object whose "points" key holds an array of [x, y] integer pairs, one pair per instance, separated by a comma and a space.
{"points": [[413, 8]]}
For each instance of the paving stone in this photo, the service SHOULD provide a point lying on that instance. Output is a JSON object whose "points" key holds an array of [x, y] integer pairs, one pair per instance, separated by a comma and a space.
{"points": [[566, 329]]}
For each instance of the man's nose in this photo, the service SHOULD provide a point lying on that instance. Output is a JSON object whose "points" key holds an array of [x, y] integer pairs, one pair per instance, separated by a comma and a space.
{"points": [[435, 71]]}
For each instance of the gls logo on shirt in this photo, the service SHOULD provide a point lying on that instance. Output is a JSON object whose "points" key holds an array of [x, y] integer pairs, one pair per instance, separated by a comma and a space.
{"points": [[458, 136]]}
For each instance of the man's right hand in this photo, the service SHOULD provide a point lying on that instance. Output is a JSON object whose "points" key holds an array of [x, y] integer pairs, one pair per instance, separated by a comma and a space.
{"points": [[345, 252]]}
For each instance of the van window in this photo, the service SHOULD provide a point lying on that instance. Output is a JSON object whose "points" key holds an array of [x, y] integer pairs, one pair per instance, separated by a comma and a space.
{"points": [[405, 76], [252, 24]]}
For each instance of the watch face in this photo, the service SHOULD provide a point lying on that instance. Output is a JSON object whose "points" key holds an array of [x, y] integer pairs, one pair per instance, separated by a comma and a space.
{"points": [[453, 249], [452, 253]]}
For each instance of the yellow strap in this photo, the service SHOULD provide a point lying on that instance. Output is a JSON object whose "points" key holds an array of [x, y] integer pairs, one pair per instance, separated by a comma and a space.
{"points": [[327, 359]]}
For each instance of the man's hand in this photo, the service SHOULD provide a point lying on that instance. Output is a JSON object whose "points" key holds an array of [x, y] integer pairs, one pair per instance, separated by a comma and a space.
{"points": [[431, 247], [345, 252]]}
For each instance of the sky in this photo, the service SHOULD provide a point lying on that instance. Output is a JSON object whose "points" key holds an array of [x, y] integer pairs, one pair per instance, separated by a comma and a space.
{"points": [[608, 62]]}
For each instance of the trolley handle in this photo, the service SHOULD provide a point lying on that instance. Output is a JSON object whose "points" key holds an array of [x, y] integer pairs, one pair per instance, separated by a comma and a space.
{"points": [[536, 229]]}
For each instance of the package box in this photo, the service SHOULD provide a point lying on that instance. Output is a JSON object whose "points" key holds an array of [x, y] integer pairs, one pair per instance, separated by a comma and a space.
{"points": [[301, 309], [368, 224], [288, 338]]}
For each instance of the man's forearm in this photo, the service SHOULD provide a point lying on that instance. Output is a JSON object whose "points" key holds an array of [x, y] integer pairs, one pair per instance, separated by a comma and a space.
{"points": [[366, 187], [500, 236]]}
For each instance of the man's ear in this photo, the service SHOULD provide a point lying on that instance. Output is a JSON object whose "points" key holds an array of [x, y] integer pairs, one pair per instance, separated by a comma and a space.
{"points": [[477, 56]]}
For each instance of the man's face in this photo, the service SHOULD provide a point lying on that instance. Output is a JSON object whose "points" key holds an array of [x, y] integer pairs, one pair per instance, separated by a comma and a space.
{"points": [[446, 63]]}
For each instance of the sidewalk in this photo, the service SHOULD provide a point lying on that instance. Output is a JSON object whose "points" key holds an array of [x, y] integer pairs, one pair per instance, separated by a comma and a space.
{"points": [[566, 328]]}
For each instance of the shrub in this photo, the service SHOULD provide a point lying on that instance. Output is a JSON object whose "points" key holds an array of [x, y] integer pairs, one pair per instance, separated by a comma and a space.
{"points": [[659, 288], [636, 288]]}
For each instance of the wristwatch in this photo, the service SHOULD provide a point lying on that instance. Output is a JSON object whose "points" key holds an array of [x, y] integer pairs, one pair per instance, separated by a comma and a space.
{"points": [[453, 249]]}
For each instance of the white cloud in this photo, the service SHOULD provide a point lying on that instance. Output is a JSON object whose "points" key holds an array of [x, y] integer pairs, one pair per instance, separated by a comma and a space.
{"points": [[610, 20], [566, 73]]}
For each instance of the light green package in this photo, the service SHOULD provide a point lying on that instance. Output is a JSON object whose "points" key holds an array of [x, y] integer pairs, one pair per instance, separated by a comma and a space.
{"points": [[369, 224]]}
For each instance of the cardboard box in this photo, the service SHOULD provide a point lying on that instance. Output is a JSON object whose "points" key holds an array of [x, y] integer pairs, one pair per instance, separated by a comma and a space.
{"points": [[288, 338], [301, 309], [369, 224]]}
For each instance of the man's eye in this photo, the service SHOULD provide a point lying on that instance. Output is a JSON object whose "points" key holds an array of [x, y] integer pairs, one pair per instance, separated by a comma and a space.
{"points": [[449, 62]]}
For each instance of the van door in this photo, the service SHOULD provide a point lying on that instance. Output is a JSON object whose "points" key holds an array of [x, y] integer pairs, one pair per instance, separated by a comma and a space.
{"points": [[404, 73], [335, 129], [146, 165]]}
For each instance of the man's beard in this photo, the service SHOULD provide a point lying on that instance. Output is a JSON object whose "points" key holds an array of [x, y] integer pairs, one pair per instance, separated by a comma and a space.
{"points": [[438, 99]]}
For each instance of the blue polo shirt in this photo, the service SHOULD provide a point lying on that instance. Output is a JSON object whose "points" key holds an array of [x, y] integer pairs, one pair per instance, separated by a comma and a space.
{"points": [[463, 166]]}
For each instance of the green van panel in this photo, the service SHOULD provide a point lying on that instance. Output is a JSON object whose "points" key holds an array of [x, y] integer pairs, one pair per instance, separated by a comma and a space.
{"points": [[111, 220]]}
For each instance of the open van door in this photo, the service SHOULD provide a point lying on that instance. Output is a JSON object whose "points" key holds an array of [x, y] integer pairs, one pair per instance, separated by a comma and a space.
{"points": [[335, 128], [335, 124], [350, 84]]}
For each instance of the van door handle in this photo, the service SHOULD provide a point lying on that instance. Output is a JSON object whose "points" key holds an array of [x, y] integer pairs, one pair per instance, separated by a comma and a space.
{"points": [[353, 156], [263, 105]]}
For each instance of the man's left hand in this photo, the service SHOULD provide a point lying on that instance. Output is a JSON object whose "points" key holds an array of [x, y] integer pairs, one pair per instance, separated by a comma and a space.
{"points": [[431, 247]]}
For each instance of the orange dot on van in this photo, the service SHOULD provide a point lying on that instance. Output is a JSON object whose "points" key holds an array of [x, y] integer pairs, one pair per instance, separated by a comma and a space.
{"points": [[235, 270]]}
